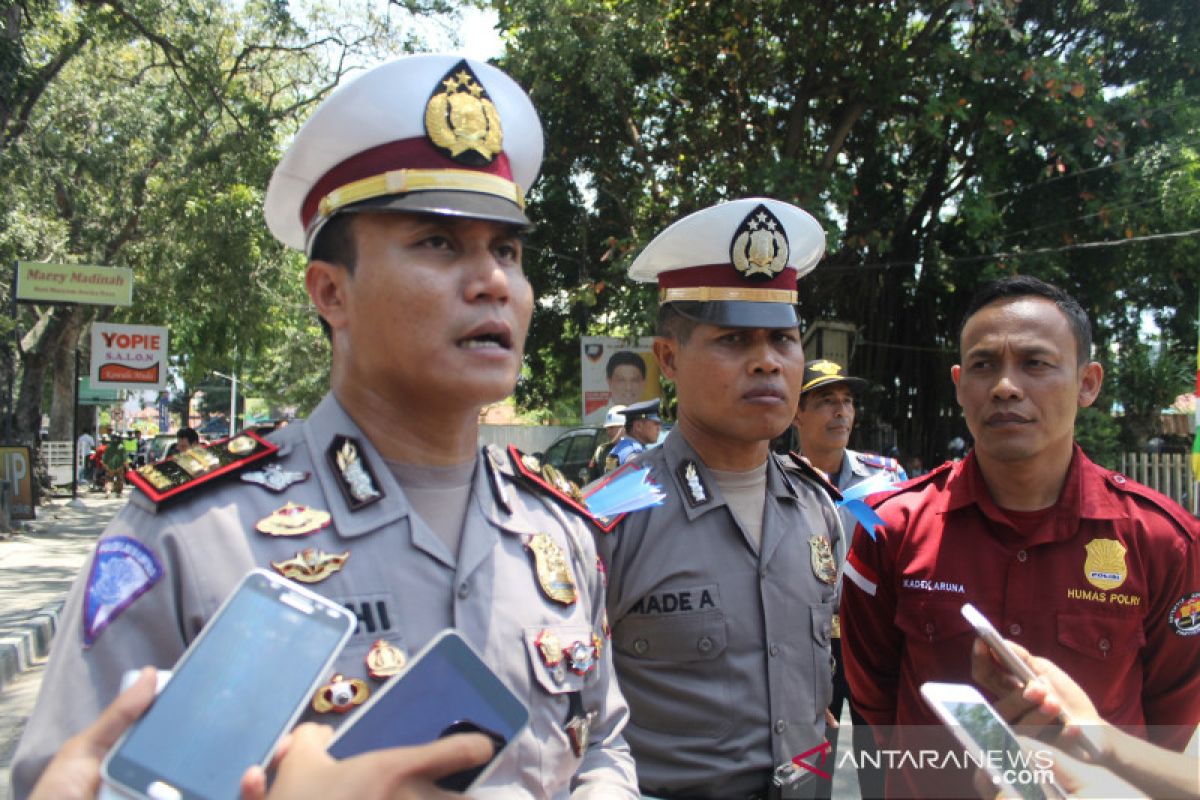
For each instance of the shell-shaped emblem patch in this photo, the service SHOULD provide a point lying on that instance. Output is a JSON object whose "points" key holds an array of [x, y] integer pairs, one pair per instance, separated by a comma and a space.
{"points": [[760, 247], [461, 120], [1105, 564]]}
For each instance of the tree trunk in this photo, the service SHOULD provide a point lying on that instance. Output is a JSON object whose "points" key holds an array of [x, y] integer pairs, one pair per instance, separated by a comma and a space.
{"points": [[62, 400]]}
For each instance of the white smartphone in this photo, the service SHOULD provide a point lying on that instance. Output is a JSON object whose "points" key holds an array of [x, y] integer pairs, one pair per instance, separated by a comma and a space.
{"points": [[237, 689], [992, 744], [1022, 671], [446, 688]]}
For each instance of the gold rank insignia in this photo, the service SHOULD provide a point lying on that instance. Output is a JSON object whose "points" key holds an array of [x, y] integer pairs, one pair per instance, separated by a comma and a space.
{"points": [[553, 573], [293, 520], [384, 660], [823, 565], [555, 478], [1104, 566], [311, 565], [340, 695], [462, 121], [760, 246]]}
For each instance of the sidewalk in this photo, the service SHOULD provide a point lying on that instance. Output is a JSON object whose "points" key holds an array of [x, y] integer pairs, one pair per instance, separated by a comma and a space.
{"points": [[37, 565]]}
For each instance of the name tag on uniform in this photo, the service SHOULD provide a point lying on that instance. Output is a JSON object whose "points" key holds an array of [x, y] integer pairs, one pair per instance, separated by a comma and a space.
{"points": [[679, 601]]}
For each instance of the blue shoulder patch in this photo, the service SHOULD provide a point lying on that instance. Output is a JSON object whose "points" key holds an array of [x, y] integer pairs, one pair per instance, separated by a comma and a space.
{"points": [[122, 571]]}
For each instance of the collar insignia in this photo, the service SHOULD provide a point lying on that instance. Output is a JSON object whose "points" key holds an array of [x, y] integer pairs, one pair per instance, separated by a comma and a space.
{"points": [[760, 247], [356, 479], [697, 492], [384, 660], [550, 565], [274, 477], [311, 565], [461, 120], [293, 520]]}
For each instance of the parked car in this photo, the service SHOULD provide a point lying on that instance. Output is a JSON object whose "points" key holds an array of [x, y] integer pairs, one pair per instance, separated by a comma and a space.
{"points": [[572, 451]]}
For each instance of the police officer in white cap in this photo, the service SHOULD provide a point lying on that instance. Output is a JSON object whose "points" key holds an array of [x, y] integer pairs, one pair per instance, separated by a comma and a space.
{"points": [[614, 428], [642, 427], [406, 189], [721, 600]]}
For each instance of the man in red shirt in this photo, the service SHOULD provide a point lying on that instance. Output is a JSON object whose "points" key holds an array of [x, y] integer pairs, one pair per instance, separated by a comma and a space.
{"points": [[1071, 560]]}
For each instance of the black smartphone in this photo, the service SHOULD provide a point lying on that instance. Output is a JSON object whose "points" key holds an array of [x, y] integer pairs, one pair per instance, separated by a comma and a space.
{"points": [[234, 693], [445, 689]]}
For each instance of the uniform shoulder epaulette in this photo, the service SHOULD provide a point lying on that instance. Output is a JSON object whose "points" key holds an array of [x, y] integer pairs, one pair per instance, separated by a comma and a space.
{"points": [[535, 472], [879, 462], [1187, 523], [912, 484], [184, 473], [798, 463]]}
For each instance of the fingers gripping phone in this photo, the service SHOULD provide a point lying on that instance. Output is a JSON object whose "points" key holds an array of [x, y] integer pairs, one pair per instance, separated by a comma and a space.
{"points": [[446, 689], [1022, 671], [992, 744], [235, 691]]}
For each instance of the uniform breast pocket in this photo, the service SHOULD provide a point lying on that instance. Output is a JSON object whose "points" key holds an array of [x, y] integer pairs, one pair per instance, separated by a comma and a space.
{"points": [[673, 672], [933, 621], [1115, 640]]}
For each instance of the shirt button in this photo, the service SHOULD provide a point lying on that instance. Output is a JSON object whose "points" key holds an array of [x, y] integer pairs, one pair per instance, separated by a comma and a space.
{"points": [[1014, 629], [640, 646], [762, 573], [1105, 645], [773, 649], [1119, 480], [1022, 556], [704, 645], [464, 591], [930, 628], [780, 726]]}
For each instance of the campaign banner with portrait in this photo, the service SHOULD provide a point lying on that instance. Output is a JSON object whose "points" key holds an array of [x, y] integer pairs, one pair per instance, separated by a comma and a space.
{"points": [[616, 372]]}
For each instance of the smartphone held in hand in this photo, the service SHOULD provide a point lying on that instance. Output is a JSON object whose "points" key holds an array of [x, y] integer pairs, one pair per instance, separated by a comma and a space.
{"points": [[237, 689]]}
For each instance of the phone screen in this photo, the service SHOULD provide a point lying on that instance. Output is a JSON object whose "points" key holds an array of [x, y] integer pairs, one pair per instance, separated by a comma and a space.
{"points": [[993, 736], [232, 694], [446, 686]]}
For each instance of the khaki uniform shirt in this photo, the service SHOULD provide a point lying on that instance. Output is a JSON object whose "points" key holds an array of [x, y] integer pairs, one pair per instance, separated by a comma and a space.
{"points": [[723, 652], [401, 582]]}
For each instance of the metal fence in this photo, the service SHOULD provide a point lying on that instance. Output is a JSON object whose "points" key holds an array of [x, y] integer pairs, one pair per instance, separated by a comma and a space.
{"points": [[1168, 473]]}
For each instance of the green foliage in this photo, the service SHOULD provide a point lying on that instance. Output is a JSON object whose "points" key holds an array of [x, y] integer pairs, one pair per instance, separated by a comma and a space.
{"points": [[1147, 381], [940, 144], [1099, 435]]}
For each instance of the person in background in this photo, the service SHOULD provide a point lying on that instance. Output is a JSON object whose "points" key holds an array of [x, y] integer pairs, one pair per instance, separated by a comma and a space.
{"points": [[824, 421], [115, 460], [185, 439], [642, 427], [83, 448], [614, 428]]}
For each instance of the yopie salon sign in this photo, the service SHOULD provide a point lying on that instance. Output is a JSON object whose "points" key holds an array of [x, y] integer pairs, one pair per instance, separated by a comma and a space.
{"points": [[128, 356]]}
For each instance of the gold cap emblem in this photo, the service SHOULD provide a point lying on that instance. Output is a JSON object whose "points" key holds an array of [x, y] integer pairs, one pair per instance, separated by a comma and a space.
{"points": [[760, 246], [461, 120]]}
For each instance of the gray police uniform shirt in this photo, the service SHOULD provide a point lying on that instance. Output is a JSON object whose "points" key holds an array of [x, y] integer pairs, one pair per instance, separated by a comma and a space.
{"points": [[856, 468], [401, 582], [723, 653]]}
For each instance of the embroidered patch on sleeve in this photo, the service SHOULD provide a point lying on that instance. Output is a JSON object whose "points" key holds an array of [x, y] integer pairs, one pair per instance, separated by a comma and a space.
{"points": [[123, 570]]}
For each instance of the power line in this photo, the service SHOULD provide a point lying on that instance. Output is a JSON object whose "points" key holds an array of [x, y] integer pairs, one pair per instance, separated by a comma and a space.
{"points": [[1020, 253]]}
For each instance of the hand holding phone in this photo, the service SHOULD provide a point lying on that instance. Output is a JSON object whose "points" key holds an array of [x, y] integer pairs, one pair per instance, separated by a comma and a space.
{"points": [[1021, 670], [233, 694], [446, 689], [991, 743]]}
